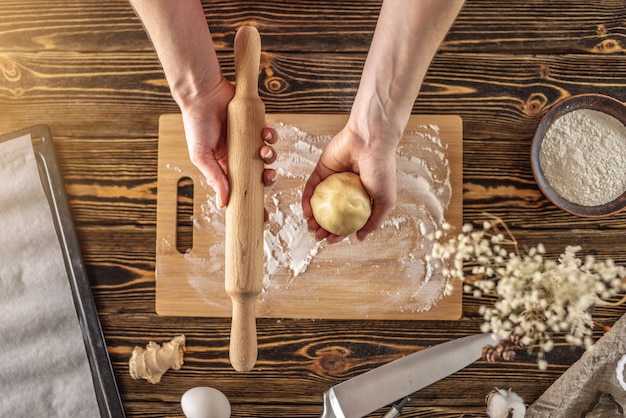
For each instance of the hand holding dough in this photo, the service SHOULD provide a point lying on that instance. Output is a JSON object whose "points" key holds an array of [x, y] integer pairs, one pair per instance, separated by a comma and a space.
{"points": [[340, 203]]}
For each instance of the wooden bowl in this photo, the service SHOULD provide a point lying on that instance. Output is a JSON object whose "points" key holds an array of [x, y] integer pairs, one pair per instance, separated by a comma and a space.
{"points": [[601, 103]]}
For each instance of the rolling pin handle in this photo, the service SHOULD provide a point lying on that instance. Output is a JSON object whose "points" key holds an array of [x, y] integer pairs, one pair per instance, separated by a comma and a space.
{"points": [[243, 342], [247, 59]]}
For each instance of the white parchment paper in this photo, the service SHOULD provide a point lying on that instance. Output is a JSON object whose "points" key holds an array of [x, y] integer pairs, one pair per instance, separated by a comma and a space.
{"points": [[44, 370]]}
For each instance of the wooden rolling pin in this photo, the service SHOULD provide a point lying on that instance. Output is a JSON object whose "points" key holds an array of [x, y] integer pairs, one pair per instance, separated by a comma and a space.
{"points": [[244, 213]]}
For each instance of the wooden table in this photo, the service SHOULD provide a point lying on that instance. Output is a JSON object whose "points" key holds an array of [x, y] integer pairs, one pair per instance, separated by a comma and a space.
{"points": [[87, 69]]}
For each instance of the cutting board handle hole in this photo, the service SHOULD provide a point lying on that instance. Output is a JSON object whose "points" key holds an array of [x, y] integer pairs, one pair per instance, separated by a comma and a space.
{"points": [[184, 215]]}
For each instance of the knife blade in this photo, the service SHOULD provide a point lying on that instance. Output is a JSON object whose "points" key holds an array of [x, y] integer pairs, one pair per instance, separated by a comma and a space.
{"points": [[386, 384]]}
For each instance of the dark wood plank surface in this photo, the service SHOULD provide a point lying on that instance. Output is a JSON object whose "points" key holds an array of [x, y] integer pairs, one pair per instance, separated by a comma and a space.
{"points": [[87, 69]]}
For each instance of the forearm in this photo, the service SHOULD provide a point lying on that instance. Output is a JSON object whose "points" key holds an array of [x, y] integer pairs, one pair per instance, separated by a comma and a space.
{"points": [[408, 34], [181, 38]]}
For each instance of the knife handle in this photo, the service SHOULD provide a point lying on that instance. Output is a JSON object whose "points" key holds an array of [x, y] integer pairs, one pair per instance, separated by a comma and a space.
{"points": [[244, 213]]}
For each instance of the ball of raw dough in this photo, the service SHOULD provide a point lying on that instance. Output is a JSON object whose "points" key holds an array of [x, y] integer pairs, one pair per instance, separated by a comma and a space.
{"points": [[340, 203]]}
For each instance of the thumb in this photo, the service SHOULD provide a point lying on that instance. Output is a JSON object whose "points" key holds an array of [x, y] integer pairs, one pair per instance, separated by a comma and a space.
{"points": [[217, 179]]}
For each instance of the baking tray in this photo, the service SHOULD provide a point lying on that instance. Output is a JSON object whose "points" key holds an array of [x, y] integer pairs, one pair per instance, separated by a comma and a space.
{"points": [[107, 393]]}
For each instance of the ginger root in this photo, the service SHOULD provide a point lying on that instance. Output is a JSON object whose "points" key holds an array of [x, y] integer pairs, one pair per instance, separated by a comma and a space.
{"points": [[152, 362]]}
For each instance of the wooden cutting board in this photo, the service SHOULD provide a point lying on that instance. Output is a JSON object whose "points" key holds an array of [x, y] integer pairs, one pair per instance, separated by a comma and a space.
{"points": [[383, 277]]}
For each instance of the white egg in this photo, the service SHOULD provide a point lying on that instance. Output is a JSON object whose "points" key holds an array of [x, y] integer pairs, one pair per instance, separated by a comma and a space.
{"points": [[205, 402]]}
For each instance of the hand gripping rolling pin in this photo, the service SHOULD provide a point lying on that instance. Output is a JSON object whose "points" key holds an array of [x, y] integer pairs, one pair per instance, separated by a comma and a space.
{"points": [[244, 213]]}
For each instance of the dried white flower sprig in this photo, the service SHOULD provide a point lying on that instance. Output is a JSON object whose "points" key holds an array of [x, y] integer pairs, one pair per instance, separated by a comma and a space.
{"points": [[536, 297]]}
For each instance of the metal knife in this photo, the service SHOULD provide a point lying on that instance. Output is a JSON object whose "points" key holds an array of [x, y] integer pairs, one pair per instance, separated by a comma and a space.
{"points": [[386, 384]]}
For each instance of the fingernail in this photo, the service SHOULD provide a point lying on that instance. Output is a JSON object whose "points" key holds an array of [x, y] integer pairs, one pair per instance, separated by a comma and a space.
{"points": [[269, 154], [268, 136], [218, 201]]}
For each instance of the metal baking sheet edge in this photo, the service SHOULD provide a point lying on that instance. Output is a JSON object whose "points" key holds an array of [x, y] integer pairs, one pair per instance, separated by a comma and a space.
{"points": [[107, 393]]}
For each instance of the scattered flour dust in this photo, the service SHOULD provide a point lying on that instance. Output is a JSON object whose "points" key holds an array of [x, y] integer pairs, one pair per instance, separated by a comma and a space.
{"points": [[391, 263], [583, 157]]}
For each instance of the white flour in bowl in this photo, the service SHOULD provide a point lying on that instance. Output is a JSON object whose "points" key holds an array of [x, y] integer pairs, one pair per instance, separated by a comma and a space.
{"points": [[583, 157]]}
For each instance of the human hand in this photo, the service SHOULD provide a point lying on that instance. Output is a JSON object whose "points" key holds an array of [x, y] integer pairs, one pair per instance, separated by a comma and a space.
{"points": [[374, 162], [205, 122]]}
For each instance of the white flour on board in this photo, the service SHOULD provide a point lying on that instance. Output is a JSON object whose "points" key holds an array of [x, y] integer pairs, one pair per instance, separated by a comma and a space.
{"points": [[292, 254]]}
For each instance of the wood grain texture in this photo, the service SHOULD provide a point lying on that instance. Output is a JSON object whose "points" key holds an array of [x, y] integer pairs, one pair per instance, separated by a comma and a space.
{"points": [[117, 91], [536, 26], [192, 283], [87, 69]]}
